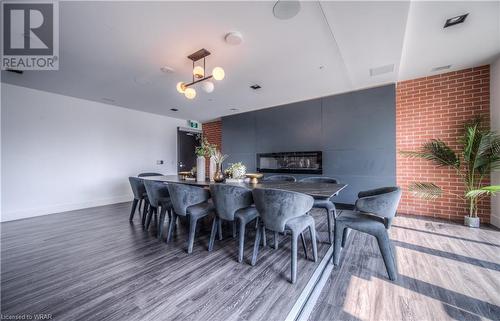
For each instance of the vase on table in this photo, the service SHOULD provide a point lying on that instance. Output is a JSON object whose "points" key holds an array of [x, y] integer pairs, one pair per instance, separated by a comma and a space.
{"points": [[212, 168], [219, 175], [200, 169]]}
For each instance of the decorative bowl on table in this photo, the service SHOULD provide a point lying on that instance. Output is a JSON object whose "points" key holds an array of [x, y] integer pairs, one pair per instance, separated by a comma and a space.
{"points": [[184, 175], [254, 177]]}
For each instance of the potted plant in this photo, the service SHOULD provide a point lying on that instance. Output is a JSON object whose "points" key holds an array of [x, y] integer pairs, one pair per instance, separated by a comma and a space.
{"points": [[236, 172], [201, 152], [479, 155]]}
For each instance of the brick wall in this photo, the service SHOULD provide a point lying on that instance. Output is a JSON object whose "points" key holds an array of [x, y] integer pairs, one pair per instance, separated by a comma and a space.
{"points": [[426, 108], [438, 107], [213, 132]]}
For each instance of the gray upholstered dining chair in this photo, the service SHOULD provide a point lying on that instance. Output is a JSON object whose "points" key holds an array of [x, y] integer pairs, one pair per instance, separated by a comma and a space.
{"points": [[323, 203], [281, 210], [140, 197], [149, 174], [191, 202], [232, 203], [159, 199], [280, 178], [373, 214]]}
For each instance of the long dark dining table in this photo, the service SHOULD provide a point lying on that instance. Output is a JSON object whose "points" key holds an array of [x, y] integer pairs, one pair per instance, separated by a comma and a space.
{"points": [[316, 190]]}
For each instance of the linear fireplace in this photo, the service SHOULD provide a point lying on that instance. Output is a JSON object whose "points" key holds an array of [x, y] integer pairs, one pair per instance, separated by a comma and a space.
{"points": [[290, 162]]}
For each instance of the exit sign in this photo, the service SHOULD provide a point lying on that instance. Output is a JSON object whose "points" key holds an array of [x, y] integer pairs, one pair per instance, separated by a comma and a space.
{"points": [[194, 124]]}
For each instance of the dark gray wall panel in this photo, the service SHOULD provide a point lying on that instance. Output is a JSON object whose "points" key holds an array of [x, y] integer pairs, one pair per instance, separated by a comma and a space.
{"points": [[356, 132], [238, 133], [363, 119], [289, 128]]}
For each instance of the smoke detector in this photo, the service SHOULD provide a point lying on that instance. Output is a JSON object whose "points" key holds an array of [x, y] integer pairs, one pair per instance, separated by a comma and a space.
{"points": [[233, 38], [285, 10]]}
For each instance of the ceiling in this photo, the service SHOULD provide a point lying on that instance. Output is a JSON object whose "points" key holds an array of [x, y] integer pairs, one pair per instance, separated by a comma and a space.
{"points": [[112, 52]]}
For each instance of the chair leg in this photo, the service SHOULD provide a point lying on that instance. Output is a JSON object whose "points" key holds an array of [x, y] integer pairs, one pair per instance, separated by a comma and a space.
{"points": [[345, 235], [161, 221], [192, 233], [276, 240], [384, 244], [264, 238], [294, 258], [337, 241], [171, 226], [220, 230], [304, 246], [215, 228], [145, 212], [132, 212], [234, 229], [256, 246], [241, 242], [150, 216], [139, 206], [312, 232], [329, 215]]}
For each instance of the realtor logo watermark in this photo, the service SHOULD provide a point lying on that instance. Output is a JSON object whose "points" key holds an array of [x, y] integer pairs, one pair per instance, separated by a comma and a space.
{"points": [[30, 37]]}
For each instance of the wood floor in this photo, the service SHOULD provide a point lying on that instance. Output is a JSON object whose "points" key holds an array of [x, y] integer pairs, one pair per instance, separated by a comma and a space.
{"points": [[93, 264], [447, 272]]}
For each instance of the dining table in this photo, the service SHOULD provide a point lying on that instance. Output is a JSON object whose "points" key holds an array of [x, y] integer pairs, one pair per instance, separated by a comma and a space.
{"points": [[315, 189], [318, 190]]}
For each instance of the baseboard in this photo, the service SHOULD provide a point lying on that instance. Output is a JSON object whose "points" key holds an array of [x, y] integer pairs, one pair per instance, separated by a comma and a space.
{"points": [[58, 208]]}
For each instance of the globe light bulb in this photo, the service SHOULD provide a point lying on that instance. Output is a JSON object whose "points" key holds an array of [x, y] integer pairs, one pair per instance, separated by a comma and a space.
{"points": [[181, 87], [198, 72], [190, 93], [208, 86], [218, 73]]}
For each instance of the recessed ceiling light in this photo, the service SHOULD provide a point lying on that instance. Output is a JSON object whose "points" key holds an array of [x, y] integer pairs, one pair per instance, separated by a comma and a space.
{"points": [[167, 69], [381, 70], [108, 100], [233, 38], [233, 109], [174, 109], [321, 67], [441, 68], [255, 87], [285, 10], [455, 20]]}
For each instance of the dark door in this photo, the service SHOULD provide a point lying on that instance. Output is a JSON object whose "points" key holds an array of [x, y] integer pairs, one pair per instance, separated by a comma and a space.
{"points": [[186, 143]]}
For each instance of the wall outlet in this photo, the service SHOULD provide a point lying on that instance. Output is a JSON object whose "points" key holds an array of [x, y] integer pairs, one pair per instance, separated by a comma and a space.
{"points": [[159, 162]]}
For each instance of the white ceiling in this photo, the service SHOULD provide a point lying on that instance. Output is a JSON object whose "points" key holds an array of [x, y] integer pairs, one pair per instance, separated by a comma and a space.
{"points": [[114, 50]]}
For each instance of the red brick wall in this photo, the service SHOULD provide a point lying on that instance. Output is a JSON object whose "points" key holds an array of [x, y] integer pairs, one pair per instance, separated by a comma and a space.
{"points": [[429, 107], [437, 107], [213, 132]]}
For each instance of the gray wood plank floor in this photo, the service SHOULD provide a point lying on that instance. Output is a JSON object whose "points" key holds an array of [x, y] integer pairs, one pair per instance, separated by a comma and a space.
{"points": [[92, 264], [447, 272]]}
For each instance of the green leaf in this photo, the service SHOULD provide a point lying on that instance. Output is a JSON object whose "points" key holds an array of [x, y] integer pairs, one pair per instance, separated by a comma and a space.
{"points": [[429, 191], [483, 191], [437, 152]]}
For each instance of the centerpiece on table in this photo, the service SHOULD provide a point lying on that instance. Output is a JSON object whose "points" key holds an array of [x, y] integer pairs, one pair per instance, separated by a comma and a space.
{"points": [[204, 150], [236, 173], [219, 158]]}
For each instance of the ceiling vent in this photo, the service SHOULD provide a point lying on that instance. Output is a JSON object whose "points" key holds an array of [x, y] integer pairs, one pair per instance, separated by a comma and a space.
{"points": [[455, 20], [381, 70], [441, 68], [255, 87]]}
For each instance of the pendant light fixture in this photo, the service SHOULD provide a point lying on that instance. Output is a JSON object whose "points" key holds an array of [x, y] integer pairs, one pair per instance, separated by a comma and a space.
{"points": [[199, 75]]}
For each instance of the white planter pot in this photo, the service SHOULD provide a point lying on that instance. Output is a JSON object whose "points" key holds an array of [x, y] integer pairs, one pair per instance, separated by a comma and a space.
{"points": [[200, 169], [212, 168], [471, 221]]}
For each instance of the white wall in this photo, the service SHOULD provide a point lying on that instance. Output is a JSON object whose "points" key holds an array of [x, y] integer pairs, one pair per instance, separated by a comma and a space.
{"points": [[61, 153], [495, 125]]}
